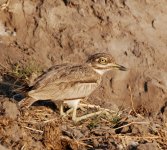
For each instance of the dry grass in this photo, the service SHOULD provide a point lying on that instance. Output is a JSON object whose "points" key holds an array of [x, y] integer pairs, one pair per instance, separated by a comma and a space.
{"points": [[25, 72], [45, 125]]}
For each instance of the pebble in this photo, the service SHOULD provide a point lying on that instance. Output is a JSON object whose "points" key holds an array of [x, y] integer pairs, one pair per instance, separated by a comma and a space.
{"points": [[11, 109]]}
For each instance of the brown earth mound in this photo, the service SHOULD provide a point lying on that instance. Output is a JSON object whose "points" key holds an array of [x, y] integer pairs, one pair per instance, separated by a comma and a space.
{"points": [[36, 34]]}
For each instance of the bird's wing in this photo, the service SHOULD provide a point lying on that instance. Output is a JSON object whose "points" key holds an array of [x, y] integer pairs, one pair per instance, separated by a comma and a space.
{"points": [[67, 81], [47, 76]]}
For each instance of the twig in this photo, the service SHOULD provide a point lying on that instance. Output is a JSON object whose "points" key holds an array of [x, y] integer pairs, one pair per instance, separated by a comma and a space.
{"points": [[138, 137], [78, 142], [40, 131], [122, 136], [131, 124], [3, 67], [49, 120], [22, 148], [131, 99]]}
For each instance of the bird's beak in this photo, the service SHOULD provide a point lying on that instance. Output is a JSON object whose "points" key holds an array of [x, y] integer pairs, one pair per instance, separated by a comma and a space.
{"points": [[119, 67]]}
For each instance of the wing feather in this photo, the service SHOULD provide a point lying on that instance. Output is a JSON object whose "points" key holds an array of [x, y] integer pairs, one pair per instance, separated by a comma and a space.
{"points": [[65, 82]]}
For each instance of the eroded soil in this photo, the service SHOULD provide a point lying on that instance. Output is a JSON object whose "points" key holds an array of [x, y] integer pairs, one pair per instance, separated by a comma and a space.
{"points": [[37, 34]]}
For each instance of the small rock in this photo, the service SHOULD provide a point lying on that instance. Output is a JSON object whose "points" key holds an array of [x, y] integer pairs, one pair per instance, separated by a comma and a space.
{"points": [[11, 109], [98, 132], [95, 143], [135, 130], [100, 140], [77, 134], [120, 146], [125, 130], [148, 146], [3, 148], [134, 144], [81, 12], [136, 50], [64, 127]]}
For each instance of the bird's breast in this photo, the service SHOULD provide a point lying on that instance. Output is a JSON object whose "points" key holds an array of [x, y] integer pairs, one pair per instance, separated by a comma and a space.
{"points": [[79, 90]]}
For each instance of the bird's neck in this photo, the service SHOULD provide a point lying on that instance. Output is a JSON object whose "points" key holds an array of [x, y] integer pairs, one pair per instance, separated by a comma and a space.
{"points": [[100, 71]]}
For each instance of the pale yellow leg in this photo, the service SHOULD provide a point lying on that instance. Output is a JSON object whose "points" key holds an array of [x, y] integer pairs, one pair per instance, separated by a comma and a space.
{"points": [[77, 119], [96, 106], [74, 112], [62, 113], [69, 111]]}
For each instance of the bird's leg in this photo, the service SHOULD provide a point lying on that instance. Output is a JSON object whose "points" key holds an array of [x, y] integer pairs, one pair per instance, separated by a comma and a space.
{"points": [[76, 119], [27, 102], [82, 106], [69, 111], [73, 104], [74, 111], [74, 114], [101, 111], [61, 110], [62, 113]]}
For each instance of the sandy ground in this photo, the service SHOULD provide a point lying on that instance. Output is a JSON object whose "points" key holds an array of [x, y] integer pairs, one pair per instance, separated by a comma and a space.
{"points": [[39, 34]]}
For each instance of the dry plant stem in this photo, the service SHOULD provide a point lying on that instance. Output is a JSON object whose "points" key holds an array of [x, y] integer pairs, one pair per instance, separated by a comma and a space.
{"points": [[81, 143], [131, 98], [4, 67], [22, 148], [125, 118], [131, 124], [105, 120], [78, 142], [137, 137], [30, 122], [49, 120], [40, 131], [123, 136]]}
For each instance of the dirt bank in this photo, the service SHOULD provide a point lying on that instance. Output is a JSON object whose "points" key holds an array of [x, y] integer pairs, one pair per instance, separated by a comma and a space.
{"points": [[39, 34]]}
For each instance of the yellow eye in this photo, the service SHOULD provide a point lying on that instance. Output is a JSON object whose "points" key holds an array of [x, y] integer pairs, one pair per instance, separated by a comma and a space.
{"points": [[102, 61]]}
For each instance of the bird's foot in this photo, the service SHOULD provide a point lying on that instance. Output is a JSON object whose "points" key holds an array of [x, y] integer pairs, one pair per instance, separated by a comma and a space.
{"points": [[81, 105], [64, 114]]}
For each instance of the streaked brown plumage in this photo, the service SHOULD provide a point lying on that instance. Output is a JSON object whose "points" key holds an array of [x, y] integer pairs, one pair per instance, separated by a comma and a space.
{"points": [[71, 82], [64, 83]]}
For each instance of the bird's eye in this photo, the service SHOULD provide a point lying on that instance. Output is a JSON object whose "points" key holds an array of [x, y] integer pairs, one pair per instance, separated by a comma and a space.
{"points": [[102, 61]]}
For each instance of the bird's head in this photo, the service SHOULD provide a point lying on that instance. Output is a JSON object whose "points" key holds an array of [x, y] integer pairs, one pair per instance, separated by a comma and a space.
{"points": [[102, 62]]}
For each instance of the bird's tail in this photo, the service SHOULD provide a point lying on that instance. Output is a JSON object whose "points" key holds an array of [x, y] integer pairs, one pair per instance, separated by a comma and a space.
{"points": [[15, 85]]}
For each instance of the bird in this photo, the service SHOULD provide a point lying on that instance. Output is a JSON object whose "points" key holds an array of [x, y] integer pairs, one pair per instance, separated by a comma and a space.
{"points": [[69, 83]]}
